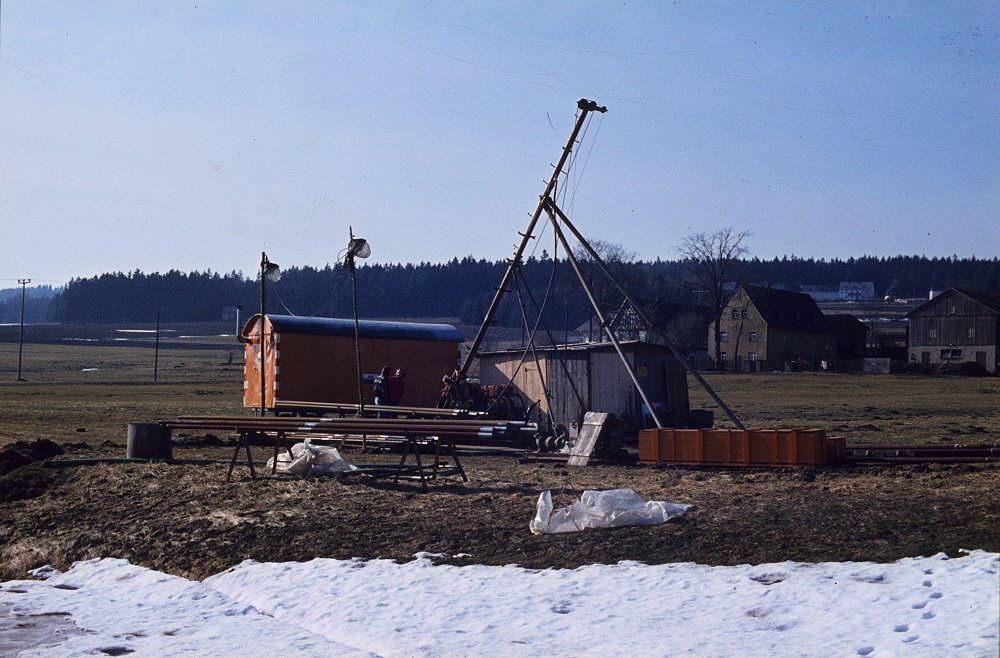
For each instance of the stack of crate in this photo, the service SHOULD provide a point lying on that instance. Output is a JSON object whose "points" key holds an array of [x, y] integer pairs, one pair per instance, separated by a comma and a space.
{"points": [[725, 447]]}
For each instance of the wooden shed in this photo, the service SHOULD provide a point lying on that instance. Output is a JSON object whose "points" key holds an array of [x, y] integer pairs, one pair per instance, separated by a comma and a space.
{"points": [[313, 359], [591, 377]]}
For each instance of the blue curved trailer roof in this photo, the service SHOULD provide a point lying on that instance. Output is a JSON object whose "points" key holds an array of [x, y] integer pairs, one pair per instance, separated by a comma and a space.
{"points": [[366, 328]]}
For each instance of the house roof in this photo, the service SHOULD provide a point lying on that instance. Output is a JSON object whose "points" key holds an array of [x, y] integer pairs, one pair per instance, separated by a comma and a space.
{"points": [[660, 313], [988, 300], [844, 322], [784, 309], [366, 328]]}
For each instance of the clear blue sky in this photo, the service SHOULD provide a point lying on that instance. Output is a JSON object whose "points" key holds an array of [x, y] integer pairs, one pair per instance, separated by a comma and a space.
{"points": [[193, 135]]}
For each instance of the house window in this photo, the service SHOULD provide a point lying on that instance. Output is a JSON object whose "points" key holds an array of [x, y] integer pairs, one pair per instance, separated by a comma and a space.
{"points": [[951, 354], [723, 336], [972, 332], [722, 356], [735, 314], [932, 333], [752, 356], [951, 310], [752, 337], [743, 314]]}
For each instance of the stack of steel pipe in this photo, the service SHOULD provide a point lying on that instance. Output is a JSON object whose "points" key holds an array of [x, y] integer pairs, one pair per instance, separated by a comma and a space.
{"points": [[923, 453], [476, 431], [344, 408]]}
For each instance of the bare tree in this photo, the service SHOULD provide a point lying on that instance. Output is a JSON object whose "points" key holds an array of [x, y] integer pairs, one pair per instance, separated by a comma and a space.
{"points": [[711, 260], [622, 264]]}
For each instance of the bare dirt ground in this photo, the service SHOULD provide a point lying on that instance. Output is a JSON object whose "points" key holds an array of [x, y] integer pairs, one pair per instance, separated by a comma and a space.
{"points": [[186, 520]]}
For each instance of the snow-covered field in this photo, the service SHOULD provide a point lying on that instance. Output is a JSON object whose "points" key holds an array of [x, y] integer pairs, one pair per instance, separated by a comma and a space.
{"points": [[914, 607]]}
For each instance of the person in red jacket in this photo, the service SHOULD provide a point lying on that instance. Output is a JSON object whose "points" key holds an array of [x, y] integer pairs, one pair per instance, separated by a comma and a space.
{"points": [[396, 387]]}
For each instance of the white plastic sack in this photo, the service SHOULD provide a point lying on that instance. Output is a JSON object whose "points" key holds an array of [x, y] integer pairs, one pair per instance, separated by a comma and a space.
{"points": [[601, 509], [308, 459]]}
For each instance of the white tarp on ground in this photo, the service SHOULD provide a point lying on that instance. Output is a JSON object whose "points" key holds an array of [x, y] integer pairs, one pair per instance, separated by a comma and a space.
{"points": [[309, 459], [601, 509]]}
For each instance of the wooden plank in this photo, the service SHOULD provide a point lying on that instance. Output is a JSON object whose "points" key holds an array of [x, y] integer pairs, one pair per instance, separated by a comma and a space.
{"points": [[593, 426]]}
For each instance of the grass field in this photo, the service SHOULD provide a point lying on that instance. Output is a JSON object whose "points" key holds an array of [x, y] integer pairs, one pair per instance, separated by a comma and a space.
{"points": [[71, 388], [80, 392], [871, 409]]}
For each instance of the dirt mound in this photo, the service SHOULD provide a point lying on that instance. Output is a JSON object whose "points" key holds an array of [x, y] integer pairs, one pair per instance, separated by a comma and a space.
{"points": [[22, 453], [25, 483]]}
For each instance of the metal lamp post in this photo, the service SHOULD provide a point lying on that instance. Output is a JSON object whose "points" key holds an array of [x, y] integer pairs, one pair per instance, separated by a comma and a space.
{"points": [[268, 270], [356, 248]]}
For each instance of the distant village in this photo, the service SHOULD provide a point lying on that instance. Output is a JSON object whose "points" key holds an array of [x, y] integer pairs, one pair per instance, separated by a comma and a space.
{"points": [[846, 328]]}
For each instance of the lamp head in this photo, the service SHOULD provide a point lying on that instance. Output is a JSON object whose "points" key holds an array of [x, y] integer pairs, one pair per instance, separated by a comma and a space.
{"points": [[269, 270], [359, 248], [272, 272]]}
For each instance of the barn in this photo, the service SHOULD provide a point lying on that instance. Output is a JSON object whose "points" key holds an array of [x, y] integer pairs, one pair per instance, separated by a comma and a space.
{"points": [[957, 326], [591, 377], [313, 359]]}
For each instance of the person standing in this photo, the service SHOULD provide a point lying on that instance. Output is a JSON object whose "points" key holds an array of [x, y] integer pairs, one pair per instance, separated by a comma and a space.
{"points": [[397, 385], [381, 386]]}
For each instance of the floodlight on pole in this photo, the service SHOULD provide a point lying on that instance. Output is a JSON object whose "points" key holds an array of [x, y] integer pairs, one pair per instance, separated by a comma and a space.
{"points": [[268, 271], [356, 248], [359, 248], [271, 271]]}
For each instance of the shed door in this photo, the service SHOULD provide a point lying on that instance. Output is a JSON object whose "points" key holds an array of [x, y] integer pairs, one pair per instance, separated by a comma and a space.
{"points": [[981, 358], [925, 358]]}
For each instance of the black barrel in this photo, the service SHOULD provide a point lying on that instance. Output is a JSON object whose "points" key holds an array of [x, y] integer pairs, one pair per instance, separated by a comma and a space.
{"points": [[149, 441]]}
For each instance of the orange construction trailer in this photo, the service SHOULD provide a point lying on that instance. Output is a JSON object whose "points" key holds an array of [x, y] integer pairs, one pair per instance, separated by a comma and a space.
{"points": [[313, 359]]}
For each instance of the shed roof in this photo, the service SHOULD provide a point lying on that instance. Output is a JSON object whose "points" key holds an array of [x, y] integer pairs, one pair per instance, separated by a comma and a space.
{"points": [[291, 324]]}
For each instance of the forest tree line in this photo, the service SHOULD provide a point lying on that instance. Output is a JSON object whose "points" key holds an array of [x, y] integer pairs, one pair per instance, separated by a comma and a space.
{"points": [[463, 288]]}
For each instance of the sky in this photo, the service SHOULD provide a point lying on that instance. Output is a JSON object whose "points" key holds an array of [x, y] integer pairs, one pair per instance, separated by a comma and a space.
{"points": [[915, 607], [195, 135]]}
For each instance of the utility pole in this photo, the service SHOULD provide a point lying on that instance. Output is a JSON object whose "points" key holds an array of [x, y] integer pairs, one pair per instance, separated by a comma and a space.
{"points": [[20, 340], [156, 354]]}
